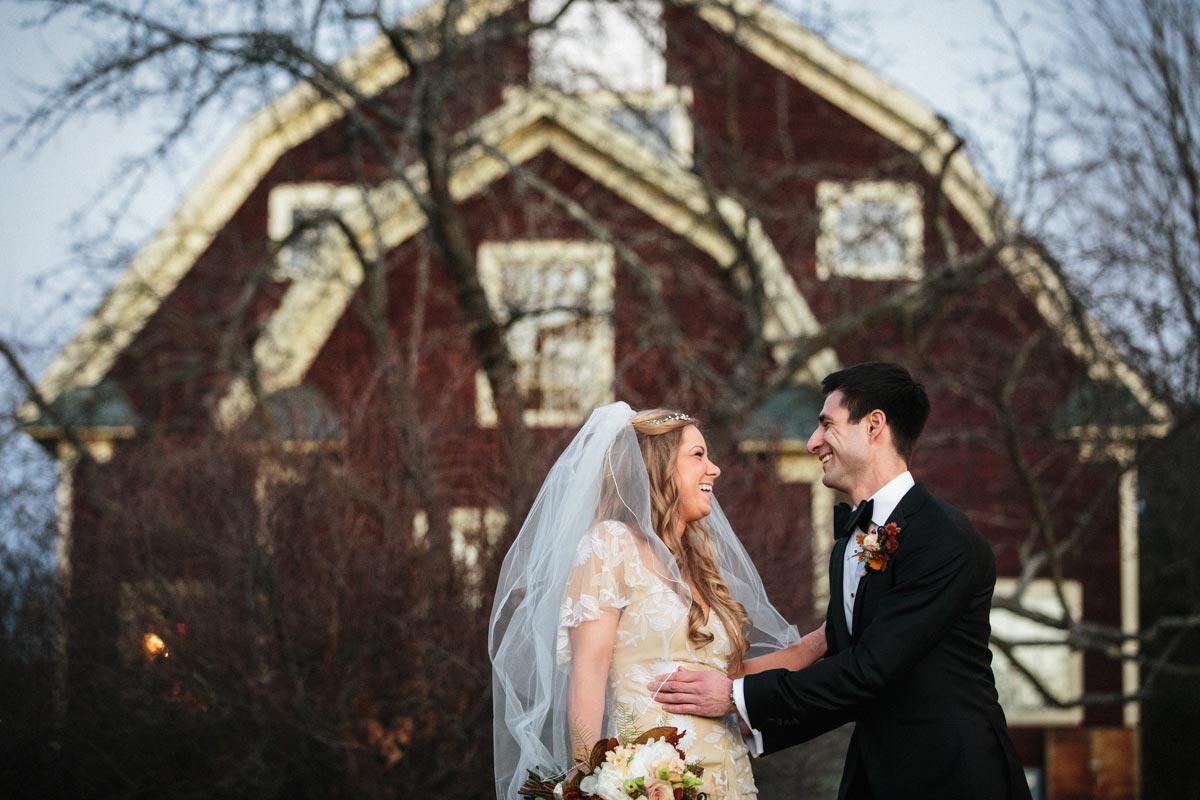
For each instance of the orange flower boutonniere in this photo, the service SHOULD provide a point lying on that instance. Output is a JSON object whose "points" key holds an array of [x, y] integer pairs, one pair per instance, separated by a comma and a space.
{"points": [[878, 546]]}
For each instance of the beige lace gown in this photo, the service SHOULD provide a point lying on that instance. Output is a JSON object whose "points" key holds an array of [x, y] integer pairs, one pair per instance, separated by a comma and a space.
{"points": [[611, 574]]}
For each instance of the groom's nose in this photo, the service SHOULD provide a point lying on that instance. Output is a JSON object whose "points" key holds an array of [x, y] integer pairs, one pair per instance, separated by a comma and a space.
{"points": [[815, 440]]}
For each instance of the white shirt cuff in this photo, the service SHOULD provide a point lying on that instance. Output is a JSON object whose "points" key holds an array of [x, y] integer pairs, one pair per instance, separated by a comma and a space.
{"points": [[754, 742]]}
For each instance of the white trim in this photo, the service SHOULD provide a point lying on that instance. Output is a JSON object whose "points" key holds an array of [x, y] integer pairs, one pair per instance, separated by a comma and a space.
{"points": [[298, 115], [677, 100], [766, 31], [1130, 592], [599, 370], [1058, 666], [805, 468], [835, 198], [461, 520], [783, 43], [1123, 455], [527, 124], [64, 501]]}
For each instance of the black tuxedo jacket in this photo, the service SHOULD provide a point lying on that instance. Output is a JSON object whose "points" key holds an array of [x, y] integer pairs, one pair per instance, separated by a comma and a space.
{"points": [[915, 676]]}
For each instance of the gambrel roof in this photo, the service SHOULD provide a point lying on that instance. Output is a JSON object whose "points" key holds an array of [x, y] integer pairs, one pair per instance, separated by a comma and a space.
{"points": [[535, 121]]}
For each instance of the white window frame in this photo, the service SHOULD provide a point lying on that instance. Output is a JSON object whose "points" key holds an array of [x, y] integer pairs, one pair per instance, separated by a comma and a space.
{"points": [[835, 200], [318, 253], [595, 378], [1057, 666], [676, 101], [470, 527], [599, 44]]}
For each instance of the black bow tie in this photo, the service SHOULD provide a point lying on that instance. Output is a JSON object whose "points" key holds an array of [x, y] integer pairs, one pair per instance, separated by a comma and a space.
{"points": [[846, 521]]}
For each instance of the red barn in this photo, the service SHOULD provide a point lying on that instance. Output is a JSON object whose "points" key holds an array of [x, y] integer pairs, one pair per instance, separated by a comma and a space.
{"points": [[697, 204]]}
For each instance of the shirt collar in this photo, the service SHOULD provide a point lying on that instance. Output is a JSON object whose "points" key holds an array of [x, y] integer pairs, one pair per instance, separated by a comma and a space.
{"points": [[888, 497]]}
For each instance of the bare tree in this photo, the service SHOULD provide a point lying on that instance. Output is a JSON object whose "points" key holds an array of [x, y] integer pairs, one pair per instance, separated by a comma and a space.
{"points": [[341, 563]]}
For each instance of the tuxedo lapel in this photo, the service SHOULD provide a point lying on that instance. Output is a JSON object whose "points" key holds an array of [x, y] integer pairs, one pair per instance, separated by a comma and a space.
{"points": [[913, 499], [874, 584]]}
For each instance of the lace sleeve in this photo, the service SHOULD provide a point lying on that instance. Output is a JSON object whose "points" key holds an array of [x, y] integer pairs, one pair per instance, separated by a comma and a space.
{"points": [[599, 581]]}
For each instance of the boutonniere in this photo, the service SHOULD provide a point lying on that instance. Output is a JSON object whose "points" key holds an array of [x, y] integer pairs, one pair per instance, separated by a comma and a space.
{"points": [[878, 546]]}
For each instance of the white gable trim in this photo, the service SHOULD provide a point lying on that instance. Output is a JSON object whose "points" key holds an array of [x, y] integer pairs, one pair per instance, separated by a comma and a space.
{"points": [[783, 43], [526, 125], [161, 264]]}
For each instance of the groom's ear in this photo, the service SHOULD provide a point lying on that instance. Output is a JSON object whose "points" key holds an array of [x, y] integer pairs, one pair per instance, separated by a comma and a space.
{"points": [[876, 423]]}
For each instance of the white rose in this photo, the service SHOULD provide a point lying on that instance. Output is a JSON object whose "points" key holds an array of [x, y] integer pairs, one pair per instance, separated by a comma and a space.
{"points": [[870, 541], [610, 786]]}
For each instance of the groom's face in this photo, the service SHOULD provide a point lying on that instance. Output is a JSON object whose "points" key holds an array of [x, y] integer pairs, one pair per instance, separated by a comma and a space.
{"points": [[841, 445]]}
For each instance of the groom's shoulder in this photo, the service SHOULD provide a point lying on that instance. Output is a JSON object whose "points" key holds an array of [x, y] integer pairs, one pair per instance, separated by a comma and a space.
{"points": [[955, 526], [931, 511]]}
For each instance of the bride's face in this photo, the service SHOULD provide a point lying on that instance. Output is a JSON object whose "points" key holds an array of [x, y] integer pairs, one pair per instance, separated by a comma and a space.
{"points": [[694, 476]]}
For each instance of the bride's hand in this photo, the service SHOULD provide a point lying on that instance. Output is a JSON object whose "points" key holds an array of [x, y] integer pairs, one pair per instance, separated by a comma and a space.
{"points": [[707, 693]]}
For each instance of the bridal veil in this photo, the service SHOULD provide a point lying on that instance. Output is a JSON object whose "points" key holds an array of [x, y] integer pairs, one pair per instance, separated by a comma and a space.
{"points": [[599, 477]]}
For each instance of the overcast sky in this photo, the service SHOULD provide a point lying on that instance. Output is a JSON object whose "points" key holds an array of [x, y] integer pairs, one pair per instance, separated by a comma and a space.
{"points": [[947, 52]]}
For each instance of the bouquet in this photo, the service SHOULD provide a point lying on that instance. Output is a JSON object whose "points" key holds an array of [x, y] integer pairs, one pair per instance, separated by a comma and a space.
{"points": [[649, 766]]}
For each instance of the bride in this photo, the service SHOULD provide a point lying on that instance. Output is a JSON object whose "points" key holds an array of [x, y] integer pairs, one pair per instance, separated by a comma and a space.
{"points": [[625, 569]]}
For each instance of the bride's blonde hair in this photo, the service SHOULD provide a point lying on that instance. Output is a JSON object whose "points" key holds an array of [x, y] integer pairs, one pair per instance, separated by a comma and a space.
{"points": [[659, 433]]}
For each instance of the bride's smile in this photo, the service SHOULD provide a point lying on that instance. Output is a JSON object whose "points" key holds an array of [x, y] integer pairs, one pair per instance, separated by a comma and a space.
{"points": [[695, 476]]}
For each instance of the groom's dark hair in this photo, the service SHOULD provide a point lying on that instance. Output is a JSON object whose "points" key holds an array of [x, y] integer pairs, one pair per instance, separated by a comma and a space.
{"points": [[888, 387]]}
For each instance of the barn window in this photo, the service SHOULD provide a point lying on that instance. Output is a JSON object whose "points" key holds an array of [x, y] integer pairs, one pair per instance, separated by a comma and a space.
{"points": [[1042, 650], [554, 299], [301, 221], [869, 229], [660, 120], [598, 45], [473, 530]]}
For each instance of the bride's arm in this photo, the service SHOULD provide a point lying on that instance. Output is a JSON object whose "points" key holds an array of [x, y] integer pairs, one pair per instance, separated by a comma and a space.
{"points": [[810, 648], [591, 654]]}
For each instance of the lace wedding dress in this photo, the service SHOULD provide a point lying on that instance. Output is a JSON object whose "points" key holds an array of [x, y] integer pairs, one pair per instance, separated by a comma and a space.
{"points": [[562, 551], [611, 573]]}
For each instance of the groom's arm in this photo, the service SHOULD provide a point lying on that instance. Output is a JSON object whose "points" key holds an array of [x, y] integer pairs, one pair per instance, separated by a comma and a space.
{"points": [[933, 584], [811, 647]]}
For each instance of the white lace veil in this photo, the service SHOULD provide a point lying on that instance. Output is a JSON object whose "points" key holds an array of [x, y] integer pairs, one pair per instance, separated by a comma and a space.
{"points": [[600, 476]]}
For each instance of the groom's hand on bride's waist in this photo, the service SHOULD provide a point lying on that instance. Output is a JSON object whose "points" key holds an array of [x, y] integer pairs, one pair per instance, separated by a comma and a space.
{"points": [[706, 693]]}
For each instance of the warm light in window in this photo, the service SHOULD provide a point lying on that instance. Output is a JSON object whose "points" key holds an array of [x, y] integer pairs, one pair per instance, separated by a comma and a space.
{"points": [[154, 646]]}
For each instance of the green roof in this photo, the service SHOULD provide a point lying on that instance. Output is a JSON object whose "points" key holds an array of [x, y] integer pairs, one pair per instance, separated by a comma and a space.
{"points": [[298, 414], [789, 414], [104, 405], [1104, 404]]}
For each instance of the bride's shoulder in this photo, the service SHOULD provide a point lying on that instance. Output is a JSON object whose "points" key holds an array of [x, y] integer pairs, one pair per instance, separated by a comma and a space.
{"points": [[607, 538], [611, 529]]}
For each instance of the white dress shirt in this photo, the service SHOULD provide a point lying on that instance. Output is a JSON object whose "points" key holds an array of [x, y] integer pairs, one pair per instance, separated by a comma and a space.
{"points": [[886, 500]]}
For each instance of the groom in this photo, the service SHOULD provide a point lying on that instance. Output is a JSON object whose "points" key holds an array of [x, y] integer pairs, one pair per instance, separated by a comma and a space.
{"points": [[907, 625]]}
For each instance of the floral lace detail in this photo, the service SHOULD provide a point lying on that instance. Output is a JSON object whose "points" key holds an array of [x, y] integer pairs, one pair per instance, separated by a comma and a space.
{"points": [[604, 563], [609, 575]]}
